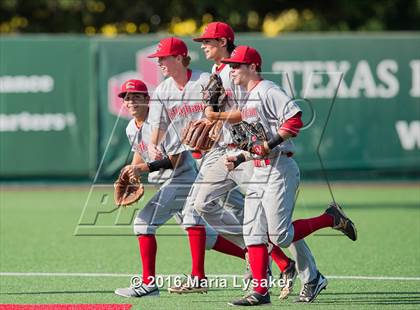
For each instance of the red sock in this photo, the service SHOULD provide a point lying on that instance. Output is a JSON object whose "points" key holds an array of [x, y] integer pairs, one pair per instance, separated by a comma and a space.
{"points": [[306, 227], [281, 259], [225, 246], [148, 249], [197, 237], [258, 260]]}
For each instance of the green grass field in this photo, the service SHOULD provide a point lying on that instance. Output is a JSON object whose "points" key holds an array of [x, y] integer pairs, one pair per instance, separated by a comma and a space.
{"points": [[37, 236]]}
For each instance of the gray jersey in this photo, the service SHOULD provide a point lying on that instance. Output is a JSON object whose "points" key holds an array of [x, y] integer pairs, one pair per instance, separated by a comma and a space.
{"points": [[169, 200], [235, 95], [269, 105], [171, 108], [140, 138]]}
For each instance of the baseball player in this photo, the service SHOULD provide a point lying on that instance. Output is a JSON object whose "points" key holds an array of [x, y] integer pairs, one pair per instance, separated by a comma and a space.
{"points": [[217, 42], [170, 198], [175, 102], [269, 204], [228, 209]]}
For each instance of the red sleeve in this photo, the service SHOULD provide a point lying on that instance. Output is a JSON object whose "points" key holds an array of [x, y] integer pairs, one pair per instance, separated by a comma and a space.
{"points": [[293, 124]]}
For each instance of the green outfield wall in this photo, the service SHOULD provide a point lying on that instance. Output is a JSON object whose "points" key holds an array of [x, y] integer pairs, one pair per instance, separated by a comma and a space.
{"points": [[60, 116], [48, 115]]}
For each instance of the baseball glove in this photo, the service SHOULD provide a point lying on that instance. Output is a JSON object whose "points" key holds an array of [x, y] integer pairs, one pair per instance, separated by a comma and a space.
{"points": [[248, 137], [127, 191], [214, 93], [201, 134]]}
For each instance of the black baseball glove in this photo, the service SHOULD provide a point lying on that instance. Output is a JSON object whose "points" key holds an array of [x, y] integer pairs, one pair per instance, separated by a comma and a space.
{"points": [[250, 137], [214, 93]]}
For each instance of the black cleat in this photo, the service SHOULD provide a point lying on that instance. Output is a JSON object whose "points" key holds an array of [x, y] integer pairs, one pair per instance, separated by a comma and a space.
{"points": [[252, 299], [341, 221], [311, 289], [288, 278]]}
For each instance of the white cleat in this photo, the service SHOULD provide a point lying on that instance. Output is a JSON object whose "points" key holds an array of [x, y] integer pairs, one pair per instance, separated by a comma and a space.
{"points": [[143, 290]]}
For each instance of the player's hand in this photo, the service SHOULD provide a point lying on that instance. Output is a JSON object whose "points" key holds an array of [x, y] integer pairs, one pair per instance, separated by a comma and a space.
{"points": [[203, 120], [210, 114], [260, 149], [216, 132], [154, 152], [134, 171], [230, 162], [130, 171]]}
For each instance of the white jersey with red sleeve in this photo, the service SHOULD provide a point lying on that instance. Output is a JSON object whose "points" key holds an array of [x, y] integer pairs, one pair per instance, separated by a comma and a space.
{"points": [[269, 105], [139, 139], [172, 108]]}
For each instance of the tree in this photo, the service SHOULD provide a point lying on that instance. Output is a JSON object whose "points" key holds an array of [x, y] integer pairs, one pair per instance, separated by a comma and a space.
{"points": [[273, 17]]}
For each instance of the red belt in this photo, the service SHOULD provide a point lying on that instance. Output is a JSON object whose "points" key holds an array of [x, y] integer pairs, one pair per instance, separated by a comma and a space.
{"points": [[261, 162], [266, 162], [196, 154]]}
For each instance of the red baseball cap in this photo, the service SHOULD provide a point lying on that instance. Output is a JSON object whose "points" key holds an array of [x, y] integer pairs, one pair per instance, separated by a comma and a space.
{"points": [[133, 86], [170, 47], [244, 55], [217, 30]]}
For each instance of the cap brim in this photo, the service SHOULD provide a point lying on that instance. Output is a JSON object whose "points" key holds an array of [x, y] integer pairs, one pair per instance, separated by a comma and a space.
{"points": [[155, 55], [122, 95], [232, 61], [200, 39]]}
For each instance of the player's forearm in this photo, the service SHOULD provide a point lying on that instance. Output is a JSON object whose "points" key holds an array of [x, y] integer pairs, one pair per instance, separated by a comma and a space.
{"points": [[289, 129], [232, 162], [230, 116], [166, 163], [137, 159], [277, 139], [283, 133], [156, 165], [140, 166]]}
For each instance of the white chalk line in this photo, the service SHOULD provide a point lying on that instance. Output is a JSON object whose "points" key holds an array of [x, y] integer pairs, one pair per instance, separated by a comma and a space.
{"points": [[226, 276]]}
